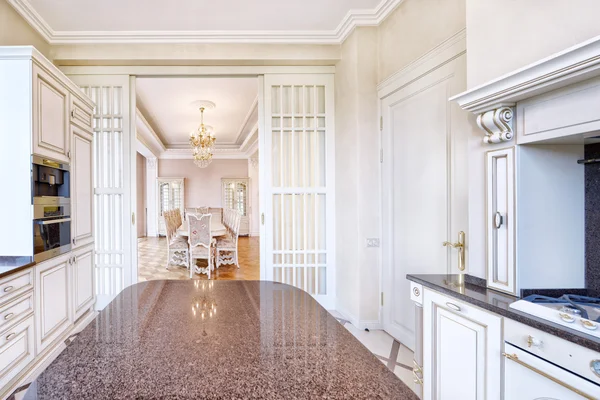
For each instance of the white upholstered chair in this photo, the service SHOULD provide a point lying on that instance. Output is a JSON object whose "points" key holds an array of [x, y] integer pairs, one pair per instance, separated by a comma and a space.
{"points": [[201, 243], [227, 246], [177, 247]]}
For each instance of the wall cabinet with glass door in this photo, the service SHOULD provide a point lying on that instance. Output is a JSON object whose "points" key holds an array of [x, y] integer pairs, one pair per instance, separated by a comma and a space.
{"points": [[235, 196], [171, 192]]}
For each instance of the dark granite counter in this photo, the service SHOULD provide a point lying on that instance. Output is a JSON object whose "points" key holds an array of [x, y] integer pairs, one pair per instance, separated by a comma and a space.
{"points": [[265, 341], [10, 264], [475, 292]]}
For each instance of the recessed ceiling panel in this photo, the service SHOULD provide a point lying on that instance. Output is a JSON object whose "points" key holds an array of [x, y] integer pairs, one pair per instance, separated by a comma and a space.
{"points": [[167, 105], [196, 15]]}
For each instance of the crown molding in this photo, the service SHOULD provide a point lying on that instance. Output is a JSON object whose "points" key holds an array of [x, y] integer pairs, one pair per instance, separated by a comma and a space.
{"points": [[352, 19], [253, 108], [148, 134]]}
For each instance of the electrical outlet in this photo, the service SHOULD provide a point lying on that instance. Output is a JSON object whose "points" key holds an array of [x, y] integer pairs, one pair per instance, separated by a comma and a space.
{"points": [[372, 242]]}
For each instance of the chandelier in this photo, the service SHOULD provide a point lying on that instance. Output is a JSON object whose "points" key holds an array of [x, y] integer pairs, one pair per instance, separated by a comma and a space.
{"points": [[202, 141]]}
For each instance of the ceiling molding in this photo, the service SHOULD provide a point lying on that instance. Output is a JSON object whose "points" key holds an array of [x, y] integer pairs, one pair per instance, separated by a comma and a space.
{"points": [[146, 133], [352, 19], [251, 111]]}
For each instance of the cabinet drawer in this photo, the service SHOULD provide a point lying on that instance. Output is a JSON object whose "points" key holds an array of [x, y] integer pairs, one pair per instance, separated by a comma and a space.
{"points": [[561, 352], [15, 285], [81, 114], [16, 350], [16, 310]]}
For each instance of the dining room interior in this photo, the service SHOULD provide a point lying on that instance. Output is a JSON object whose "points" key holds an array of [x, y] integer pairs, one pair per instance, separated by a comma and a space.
{"points": [[197, 160]]}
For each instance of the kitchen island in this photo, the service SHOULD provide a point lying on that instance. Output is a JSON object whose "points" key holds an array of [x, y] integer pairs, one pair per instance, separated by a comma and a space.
{"points": [[216, 340]]}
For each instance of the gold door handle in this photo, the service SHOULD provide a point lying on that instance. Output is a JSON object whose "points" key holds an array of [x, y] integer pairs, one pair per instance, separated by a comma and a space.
{"points": [[460, 245]]}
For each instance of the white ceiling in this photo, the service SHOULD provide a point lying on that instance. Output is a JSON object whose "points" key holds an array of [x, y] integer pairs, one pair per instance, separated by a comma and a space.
{"points": [[166, 105], [196, 15], [201, 21]]}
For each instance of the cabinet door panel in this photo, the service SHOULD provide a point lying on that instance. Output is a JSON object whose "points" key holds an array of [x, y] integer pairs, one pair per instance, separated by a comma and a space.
{"points": [[82, 190], [462, 350], [83, 281], [501, 220], [53, 300], [50, 116], [16, 350]]}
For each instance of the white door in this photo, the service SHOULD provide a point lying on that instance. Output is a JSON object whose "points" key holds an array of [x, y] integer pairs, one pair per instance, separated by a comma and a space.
{"points": [[114, 176], [424, 187], [297, 153]]}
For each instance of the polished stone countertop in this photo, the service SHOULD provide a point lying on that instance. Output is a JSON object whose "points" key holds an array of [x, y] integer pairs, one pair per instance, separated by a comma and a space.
{"points": [[266, 341], [12, 264], [475, 292]]}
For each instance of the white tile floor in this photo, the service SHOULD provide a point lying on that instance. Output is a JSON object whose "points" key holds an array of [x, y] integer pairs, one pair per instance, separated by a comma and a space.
{"points": [[382, 346]]}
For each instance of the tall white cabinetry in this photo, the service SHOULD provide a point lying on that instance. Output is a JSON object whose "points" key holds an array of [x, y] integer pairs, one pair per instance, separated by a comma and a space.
{"points": [[47, 115]]}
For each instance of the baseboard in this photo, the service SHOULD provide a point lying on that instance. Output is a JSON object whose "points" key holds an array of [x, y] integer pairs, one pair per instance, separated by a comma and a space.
{"points": [[370, 324], [256, 233], [348, 316]]}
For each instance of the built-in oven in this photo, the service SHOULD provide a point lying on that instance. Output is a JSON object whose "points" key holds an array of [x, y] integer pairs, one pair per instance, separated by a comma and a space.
{"points": [[50, 181], [529, 377]]}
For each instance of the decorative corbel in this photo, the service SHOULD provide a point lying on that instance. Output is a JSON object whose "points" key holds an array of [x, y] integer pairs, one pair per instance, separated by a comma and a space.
{"points": [[497, 124]]}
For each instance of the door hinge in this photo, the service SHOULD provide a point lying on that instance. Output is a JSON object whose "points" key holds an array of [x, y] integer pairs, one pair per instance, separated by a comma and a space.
{"points": [[132, 218], [381, 123], [262, 218], [382, 299], [381, 155]]}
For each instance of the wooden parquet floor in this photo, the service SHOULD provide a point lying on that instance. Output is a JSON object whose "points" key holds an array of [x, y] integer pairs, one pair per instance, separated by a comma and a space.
{"points": [[152, 260]]}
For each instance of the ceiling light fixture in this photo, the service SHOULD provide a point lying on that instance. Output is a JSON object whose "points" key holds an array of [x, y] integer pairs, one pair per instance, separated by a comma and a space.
{"points": [[203, 140]]}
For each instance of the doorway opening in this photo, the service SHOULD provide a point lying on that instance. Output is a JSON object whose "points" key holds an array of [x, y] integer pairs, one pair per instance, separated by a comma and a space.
{"points": [[167, 178]]}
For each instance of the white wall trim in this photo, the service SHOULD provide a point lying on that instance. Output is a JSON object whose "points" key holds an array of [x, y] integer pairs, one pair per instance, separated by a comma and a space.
{"points": [[448, 50], [253, 108], [573, 65], [348, 316], [354, 18], [193, 70], [146, 134]]}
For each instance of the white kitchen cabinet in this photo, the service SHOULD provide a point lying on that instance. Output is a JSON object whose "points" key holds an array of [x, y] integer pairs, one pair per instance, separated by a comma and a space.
{"points": [[50, 116], [53, 300], [17, 349], [462, 352], [83, 281], [500, 216], [235, 196], [81, 187]]}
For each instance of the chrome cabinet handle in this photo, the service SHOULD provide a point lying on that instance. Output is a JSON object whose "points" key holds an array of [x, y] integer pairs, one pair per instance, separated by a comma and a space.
{"points": [[10, 336], [498, 220], [8, 289], [9, 316], [453, 306]]}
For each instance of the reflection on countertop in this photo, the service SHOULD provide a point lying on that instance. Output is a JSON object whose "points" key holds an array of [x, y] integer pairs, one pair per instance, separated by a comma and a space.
{"points": [[217, 339], [475, 292], [12, 264]]}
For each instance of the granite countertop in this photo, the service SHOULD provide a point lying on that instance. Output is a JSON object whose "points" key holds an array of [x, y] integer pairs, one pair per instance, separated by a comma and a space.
{"points": [[475, 292], [266, 341], [11, 264]]}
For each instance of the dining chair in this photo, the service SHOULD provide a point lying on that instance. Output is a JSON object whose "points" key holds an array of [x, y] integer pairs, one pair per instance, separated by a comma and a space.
{"points": [[201, 243], [177, 247], [227, 246]]}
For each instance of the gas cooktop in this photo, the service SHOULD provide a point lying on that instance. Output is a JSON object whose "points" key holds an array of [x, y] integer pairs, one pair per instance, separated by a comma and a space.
{"points": [[573, 311]]}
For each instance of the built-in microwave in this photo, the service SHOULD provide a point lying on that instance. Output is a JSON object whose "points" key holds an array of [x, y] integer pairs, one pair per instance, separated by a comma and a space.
{"points": [[50, 179]]}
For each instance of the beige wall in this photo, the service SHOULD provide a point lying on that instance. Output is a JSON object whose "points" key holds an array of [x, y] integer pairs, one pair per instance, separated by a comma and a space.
{"points": [[416, 27], [141, 194], [202, 185], [505, 35], [196, 54], [14, 30]]}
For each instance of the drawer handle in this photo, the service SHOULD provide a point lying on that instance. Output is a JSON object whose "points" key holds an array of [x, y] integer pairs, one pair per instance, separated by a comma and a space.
{"points": [[8, 289], [9, 316], [10, 336], [453, 306], [531, 341]]}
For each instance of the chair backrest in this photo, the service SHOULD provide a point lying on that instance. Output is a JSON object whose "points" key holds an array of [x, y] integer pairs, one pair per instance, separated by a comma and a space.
{"points": [[199, 230], [202, 210]]}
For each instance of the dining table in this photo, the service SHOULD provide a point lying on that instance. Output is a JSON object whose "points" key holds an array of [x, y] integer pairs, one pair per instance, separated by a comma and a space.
{"points": [[216, 228], [171, 339]]}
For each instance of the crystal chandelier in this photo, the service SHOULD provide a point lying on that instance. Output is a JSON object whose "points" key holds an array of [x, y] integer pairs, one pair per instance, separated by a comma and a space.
{"points": [[203, 143]]}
